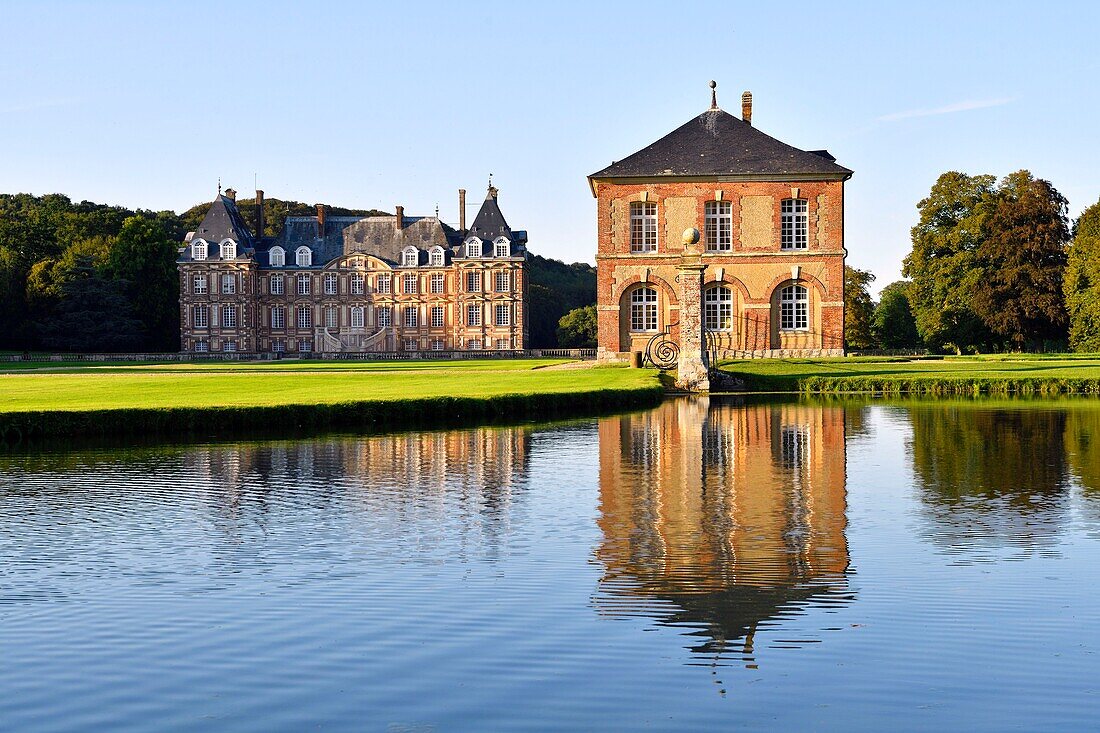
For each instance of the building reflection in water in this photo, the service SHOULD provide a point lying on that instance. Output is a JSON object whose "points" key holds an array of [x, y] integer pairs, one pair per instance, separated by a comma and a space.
{"points": [[723, 518]]}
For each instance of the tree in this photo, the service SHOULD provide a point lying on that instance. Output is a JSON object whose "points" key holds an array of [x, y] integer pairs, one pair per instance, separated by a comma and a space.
{"points": [[1081, 286], [577, 328], [943, 263], [893, 323], [93, 314], [858, 308], [555, 289], [144, 257], [1022, 260]]}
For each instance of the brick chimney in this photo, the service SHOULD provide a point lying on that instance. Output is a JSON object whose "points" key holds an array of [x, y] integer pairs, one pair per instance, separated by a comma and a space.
{"points": [[462, 210], [320, 221], [259, 214], [746, 107], [400, 218], [231, 194]]}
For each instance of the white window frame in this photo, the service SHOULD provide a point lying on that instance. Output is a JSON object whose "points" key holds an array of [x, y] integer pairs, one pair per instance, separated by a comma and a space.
{"points": [[385, 316], [276, 257], [504, 344], [200, 250], [412, 316], [718, 308], [331, 283], [332, 317], [303, 284], [228, 284], [475, 247], [303, 256], [794, 222], [356, 282], [357, 316], [278, 317], [502, 248], [412, 345], [439, 316], [200, 316], [228, 316], [437, 282], [199, 284], [643, 226], [410, 257], [276, 284], [718, 226], [227, 250], [229, 345], [384, 283], [303, 317], [438, 344], [502, 281], [473, 315], [473, 277], [436, 258], [202, 346], [278, 345], [502, 314], [475, 344], [643, 310], [794, 308], [305, 346], [410, 283]]}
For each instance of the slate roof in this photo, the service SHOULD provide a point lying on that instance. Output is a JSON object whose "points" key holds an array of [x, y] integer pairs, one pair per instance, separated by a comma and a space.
{"points": [[224, 221], [489, 225], [718, 144]]}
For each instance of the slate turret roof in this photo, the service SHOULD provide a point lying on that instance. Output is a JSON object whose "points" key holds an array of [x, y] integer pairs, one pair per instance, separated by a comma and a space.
{"points": [[489, 222], [223, 220]]}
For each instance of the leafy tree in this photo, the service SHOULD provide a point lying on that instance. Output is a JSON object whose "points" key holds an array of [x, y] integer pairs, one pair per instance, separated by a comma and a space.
{"points": [[893, 323], [555, 289], [858, 308], [943, 264], [1022, 260], [1082, 282], [144, 257], [577, 328], [94, 314]]}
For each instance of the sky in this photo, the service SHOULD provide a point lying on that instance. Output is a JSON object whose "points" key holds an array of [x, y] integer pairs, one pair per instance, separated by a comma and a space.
{"points": [[373, 105]]}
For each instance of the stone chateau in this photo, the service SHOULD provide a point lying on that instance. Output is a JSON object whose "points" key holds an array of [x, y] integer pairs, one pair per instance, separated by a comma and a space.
{"points": [[353, 284], [726, 238]]}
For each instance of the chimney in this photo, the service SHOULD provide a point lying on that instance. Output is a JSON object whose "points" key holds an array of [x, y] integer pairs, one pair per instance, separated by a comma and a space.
{"points": [[462, 210], [259, 214], [320, 221], [400, 218], [231, 194], [746, 107]]}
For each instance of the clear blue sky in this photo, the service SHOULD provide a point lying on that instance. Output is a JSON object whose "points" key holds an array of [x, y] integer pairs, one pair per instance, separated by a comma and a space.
{"points": [[354, 104]]}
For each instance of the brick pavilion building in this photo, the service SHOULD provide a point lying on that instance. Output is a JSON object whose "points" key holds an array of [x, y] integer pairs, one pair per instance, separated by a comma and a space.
{"points": [[353, 284], [727, 239]]}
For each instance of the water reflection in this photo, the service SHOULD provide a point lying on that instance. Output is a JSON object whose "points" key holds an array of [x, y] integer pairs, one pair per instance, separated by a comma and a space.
{"points": [[723, 518]]}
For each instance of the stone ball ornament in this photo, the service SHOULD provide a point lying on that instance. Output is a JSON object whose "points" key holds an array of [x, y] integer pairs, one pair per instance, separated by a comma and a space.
{"points": [[691, 236]]}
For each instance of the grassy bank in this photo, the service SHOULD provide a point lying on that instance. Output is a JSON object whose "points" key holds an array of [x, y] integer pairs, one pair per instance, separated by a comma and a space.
{"points": [[227, 398], [1000, 374]]}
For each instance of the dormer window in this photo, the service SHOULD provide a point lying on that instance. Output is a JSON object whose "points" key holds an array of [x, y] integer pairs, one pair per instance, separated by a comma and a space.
{"points": [[435, 257], [277, 257], [198, 249], [502, 248], [228, 249], [410, 257], [303, 257], [473, 247]]}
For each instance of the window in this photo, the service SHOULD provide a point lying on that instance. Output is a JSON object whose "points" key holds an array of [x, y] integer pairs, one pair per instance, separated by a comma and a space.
{"points": [[331, 283], [356, 283], [473, 282], [411, 316], [473, 315], [502, 314], [229, 249], [503, 282], [504, 344], [502, 248], [229, 345], [198, 250], [474, 344], [437, 344], [304, 317], [412, 345], [198, 286], [718, 225], [438, 315], [305, 345], [437, 282], [794, 308], [202, 346], [643, 226], [278, 316], [473, 248], [794, 445], [357, 316], [303, 257], [200, 317], [383, 283], [278, 346], [410, 257], [332, 316], [385, 316], [718, 308], [793, 222], [303, 285], [643, 310], [277, 285], [276, 257], [229, 316], [409, 283], [435, 257], [229, 284]]}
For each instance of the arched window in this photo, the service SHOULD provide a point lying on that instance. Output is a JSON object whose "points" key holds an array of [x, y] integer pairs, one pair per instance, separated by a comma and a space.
{"points": [[198, 249], [277, 257], [435, 257], [303, 257], [643, 309], [794, 308], [410, 257], [228, 249], [473, 247], [718, 308], [718, 226], [794, 221], [357, 316], [502, 248]]}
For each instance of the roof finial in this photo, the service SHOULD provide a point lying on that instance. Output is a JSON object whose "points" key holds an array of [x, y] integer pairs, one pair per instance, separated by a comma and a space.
{"points": [[437, 210], [219, 185], [490, 180], [713, 94]]}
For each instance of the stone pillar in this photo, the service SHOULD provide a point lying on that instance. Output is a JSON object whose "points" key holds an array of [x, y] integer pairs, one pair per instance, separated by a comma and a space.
{"points": [[692, 366]]}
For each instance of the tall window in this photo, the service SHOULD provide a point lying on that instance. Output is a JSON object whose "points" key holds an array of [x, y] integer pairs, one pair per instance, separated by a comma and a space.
{"points": [[411, 316], [718, 308], [385, 316], [332, 316], [276, 285], [383, 283], [794, 224], [278, 316], [502, 248], [502, 313], [304, 317], [409, 257], [438, 315], [277, 257], [229, 250], [473, 282], [409, 283], [356, 283], [331, 283], [473, 315], [643, 226], [794, 308], [643, 310], [435, 257], [200, 317], [503, 282], [473, 248], [229, 316], [719, 225], [229, 284], [198, 250], [198, 285], [303, 285], [437, 282], [303, 257], [357, 316]]}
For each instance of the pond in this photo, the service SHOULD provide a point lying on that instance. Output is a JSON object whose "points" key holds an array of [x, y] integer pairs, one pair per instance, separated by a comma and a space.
{"points": [[711, 564]]}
